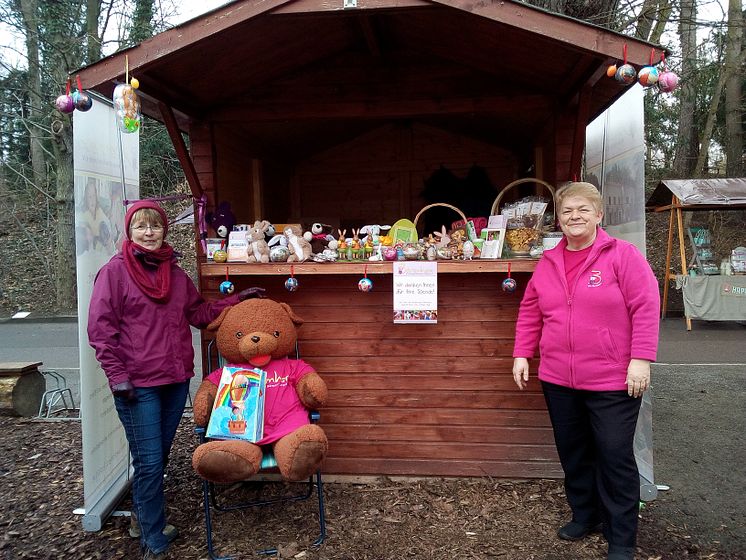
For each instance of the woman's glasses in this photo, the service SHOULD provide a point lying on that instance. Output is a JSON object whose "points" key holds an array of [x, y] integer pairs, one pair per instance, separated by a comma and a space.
{"points": [[142, 229]]}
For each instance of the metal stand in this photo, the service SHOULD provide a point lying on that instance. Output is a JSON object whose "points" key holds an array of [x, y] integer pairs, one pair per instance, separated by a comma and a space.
{"points": [[52, 398]]}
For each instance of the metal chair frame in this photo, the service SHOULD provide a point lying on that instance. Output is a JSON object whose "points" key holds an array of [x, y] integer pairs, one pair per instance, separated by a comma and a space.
{"points": [[210, 494], [52, 397]]}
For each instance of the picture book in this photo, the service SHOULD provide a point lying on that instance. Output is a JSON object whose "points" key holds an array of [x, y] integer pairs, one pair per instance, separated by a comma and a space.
{"points": [[238, 411]]}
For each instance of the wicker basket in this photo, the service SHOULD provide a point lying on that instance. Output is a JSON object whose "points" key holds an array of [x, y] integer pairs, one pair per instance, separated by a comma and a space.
{"points": [[419, 214], [496, 204]]}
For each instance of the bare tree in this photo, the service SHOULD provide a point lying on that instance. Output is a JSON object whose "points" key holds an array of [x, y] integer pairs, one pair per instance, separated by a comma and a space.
{"points": [[686, 141], [733, 91]]}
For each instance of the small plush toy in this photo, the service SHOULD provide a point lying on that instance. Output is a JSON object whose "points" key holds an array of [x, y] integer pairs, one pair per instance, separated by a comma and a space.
{"points": [[222, 220], [300, 249], [319, 237], [260, 333], [258, 248]]}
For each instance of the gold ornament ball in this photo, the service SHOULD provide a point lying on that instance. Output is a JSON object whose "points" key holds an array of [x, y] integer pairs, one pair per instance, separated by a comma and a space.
{"points": [[135, 83], [220, 256]]}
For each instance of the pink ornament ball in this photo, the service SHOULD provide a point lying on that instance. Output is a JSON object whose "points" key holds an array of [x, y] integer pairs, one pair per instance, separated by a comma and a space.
{"points": [[64, 104], [626, 74], [667, 82], [647, 76]]}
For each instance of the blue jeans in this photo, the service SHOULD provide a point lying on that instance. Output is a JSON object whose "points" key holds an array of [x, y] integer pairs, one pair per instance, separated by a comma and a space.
{"points": [[150, 423]]}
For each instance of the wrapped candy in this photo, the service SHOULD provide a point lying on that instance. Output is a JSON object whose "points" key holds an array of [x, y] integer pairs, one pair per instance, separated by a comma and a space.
{"points": [[127, 107]]}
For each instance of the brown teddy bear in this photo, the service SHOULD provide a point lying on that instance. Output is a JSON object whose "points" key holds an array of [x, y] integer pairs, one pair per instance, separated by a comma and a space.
{"points": [[261, 333]]}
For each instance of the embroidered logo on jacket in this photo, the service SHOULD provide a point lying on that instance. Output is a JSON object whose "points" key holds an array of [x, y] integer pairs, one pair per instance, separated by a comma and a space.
{"points": [[594, 280]]}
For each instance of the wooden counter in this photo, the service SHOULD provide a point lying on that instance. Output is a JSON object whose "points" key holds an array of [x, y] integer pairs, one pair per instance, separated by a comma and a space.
{"points": [[426, 400]]}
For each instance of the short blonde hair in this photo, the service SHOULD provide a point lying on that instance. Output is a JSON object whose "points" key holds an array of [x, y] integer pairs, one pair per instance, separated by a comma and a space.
{"points": [[149, 216], [581, 189]]}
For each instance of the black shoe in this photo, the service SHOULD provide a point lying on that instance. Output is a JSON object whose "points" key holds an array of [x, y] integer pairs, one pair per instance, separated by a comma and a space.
{"points": [[573, 531], [621, 553]]}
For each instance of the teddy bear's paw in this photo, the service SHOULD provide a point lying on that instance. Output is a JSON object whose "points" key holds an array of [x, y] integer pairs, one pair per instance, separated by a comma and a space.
{"points": [[227, 461], [300, 453]]}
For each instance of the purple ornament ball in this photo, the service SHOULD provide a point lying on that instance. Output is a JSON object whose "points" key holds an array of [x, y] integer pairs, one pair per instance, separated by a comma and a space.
{"points": [[291, 284], [667, 82], [626, 74], [647, 76], [509, 285], [64, 104], [365, 285]]}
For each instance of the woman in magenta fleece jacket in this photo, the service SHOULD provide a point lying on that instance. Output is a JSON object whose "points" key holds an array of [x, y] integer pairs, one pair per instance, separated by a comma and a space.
{"points": [[591, 308]]}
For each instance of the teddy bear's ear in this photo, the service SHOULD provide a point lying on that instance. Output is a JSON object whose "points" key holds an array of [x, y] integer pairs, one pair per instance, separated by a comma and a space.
{"points": [[293, 317], [216, 323]]}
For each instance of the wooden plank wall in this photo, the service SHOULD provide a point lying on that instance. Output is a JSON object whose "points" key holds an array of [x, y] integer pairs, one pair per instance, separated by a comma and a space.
{"points": [[429, 400], [378, 177]]}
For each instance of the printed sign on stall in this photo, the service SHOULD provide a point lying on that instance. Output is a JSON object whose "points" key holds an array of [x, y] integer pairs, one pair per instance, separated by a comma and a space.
{"points": [[415, 292]]}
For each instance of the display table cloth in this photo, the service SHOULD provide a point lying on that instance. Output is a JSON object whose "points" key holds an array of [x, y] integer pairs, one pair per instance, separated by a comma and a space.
{"points": [[714, 298]]}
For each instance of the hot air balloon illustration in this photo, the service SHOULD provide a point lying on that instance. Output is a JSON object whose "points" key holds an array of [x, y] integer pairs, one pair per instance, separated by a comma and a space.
{"points": [[239, 391]]}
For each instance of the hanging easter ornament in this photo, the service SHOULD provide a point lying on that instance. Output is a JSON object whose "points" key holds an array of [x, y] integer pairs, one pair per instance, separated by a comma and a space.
{"points": [[64, 103], [626, 73], [127, 104], [365, 284], [509, 284], [611, 71], [648, 75], [291, 284], [667, 81], [81, 99], [226, 287]]}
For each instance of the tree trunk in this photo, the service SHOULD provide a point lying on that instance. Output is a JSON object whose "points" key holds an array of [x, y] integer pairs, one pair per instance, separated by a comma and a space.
{"points": [[733, 93], [706, 138], [93, 40], [686, 140], [142, 22], [29, 15], [65, 284]]}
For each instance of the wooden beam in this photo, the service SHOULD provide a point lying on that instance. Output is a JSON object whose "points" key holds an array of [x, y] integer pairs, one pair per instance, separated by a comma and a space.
{"points": [[151, 51], [581, 123], [308, 6], [377, 108], [371, 40], [181, 150], [573, 33]]}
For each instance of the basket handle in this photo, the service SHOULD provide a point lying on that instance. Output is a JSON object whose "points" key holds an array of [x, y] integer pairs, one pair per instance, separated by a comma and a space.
{"points": [[496, 204], [459, 212]]}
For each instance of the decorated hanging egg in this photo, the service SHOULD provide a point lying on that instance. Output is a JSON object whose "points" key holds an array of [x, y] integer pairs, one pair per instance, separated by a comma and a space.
{"points": [[127, 107], [227, 287], [64, 104], [134, 82], [220, 256], [365, 285], [647, 76], [291, 284], [667, 82], [82, 101], [509, 285], [626, 74], [611, 71]]}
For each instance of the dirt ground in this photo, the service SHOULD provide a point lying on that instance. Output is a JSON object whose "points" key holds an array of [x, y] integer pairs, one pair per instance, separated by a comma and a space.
{"points": [[699, 428]]}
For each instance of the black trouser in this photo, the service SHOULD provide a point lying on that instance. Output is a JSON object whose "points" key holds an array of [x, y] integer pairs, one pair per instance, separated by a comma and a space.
{"points": [[594, 432]]}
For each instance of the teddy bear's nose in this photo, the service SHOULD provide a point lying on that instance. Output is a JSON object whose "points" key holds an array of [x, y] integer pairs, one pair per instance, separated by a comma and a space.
{"points": [[255, 339]]}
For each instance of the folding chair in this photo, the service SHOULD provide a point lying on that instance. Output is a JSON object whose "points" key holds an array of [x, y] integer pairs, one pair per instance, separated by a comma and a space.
{"points": [[210, 490]]}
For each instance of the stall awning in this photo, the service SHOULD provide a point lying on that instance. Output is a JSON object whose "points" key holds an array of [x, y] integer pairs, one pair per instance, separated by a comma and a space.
{"points": [[699, 192]]}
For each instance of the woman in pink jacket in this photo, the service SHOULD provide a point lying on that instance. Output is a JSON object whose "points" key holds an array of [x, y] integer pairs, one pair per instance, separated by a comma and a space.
{"points": [[138, 323], [591, 308]]}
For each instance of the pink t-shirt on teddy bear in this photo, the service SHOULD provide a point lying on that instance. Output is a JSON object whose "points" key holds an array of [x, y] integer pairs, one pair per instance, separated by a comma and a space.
{"points": [[283, 410]]}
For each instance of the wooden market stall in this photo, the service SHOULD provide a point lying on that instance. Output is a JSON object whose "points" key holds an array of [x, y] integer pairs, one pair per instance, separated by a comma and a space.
{"points": [[709, 296], [305, 111]]}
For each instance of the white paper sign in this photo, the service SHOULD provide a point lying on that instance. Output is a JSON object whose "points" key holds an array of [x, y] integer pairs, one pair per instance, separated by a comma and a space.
{"points": [[416, 292]]}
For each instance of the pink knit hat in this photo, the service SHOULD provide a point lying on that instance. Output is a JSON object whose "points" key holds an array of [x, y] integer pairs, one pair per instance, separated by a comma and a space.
{"points": [[139, 205]]}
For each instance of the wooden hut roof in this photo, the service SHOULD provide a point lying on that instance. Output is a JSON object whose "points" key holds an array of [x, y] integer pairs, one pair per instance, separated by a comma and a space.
{"points": [[286, 71]]}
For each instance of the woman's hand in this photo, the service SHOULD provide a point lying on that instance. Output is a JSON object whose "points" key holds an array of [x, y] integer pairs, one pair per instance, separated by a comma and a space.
{"points": [[124, 390], [520, 372], [638, 377], [250, 293]]}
